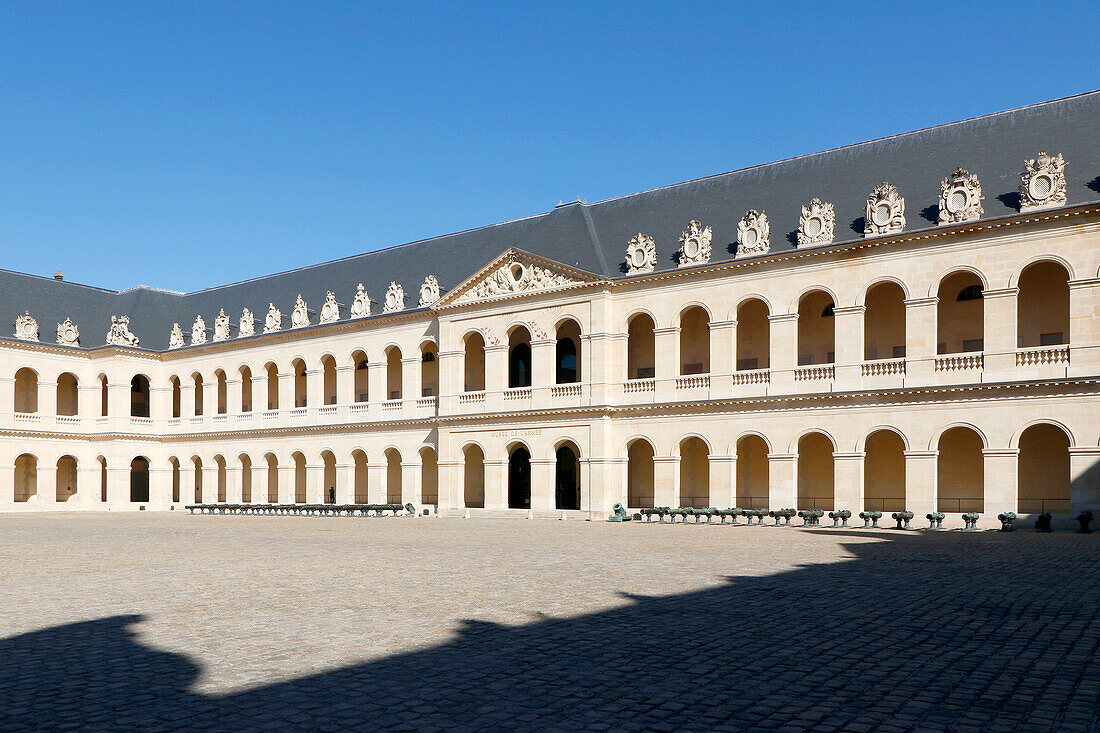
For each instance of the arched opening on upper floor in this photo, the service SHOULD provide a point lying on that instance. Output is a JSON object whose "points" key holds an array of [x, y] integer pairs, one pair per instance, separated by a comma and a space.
{"points": [[328, 372], [393, 373], [754, 336], [104, 396], [359, 458], [272, 373], [639, 474], [1042, 312], [884, 322], [429, 476], [223, 392], [245, 463], [65, 484], [328, 467], [393, 476], [519, 358], [884, 472], [301, 394], [641, 362], [246, 389], [960, 314], [26, 390], [196, 469], [102, 478], [429, 370], [139, 396], [223, 479], [694, 341], [139, 480], [1043, 470], [272, 478], [567, 354], [753, 471], [177, 396], [26, 477], [694, 473], [960, 471], [68, 394], [196, 385], [473, 477], [299, 460], [519, 478], [473, 362], [816, 329], [361, 380], [567, 476], [177, 481], [815, 472]]}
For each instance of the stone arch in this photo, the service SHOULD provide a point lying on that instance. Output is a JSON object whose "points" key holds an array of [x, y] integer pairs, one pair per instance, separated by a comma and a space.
{"points": [[26, 391], [222, 391], [245, 373], [473, 361], [1042, 308], [360, 475], [884, 470], [301, 494], [394, 372], [519, 476], [272, 466], [139, 395], [196, 467], [861, 298], [793, 308], [520, 364], [960, 470], [934, 288], [139, 480], [753, 333], [1014, 441], [861, 442], [753, 470], [1043, 469], [429, 475], [641, 356], [473, 475], [177, 396], [640, 473], [102, 461], [745, 298], [360, 363], [567, 351], [567, 475], [1014, 279], [104, 395], [197, 388], [300, 376], [393, 475], [816, 472], [694, 453], [884, 320], [694, 321], [223, 478], [66, 478], [816, 327], [429, 368], [177, 479], [328, 478], [328, 378], [245, 462], [271, 372], [934, 441], [793, 448]]}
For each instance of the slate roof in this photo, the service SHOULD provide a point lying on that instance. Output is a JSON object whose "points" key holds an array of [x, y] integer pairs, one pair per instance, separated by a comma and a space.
{"points": [[593, 236]]}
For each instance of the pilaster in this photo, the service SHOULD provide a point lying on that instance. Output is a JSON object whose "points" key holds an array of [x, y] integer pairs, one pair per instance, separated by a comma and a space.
{"points": [[999, 339], [920, 341], [782, 480]]}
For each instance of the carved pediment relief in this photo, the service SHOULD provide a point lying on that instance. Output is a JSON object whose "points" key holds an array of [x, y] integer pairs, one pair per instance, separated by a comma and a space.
{"points": [[514, 273]]}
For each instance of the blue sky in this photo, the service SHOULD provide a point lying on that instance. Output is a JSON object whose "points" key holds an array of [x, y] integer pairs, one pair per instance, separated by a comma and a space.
{"points": [[184, 145]]}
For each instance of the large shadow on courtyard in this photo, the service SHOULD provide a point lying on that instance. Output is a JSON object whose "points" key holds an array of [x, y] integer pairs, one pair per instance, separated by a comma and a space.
{"points": [[968, 632]]}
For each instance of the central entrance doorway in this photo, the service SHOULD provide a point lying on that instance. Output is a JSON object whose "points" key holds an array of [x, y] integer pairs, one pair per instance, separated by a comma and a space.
{"points": [[519, 479], [567, 483]]}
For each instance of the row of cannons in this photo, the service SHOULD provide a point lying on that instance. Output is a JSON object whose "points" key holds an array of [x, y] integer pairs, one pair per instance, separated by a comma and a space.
{"points": [[308, 510], [812, 518]]}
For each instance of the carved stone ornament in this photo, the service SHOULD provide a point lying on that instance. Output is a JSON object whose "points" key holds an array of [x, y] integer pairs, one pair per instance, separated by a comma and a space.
{"points": [[816, 224], [1043, 182], [120, 335], [885, 212], [641, 254], [694, 245], [26, 328], [67, 333], [221, 326], [330, 311], [752, 233], [429, 291], [360, 307], [960, 197], [395, 298], [175, 339], [198, 331], [300, 315], [274, 320], [515, 276], [247, 326]]}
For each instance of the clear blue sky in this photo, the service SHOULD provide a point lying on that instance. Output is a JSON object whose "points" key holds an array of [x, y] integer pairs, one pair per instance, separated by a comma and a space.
{"points": [[188, 144]]}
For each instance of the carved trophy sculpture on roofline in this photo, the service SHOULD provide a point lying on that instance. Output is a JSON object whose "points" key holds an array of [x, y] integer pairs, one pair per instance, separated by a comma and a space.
{"points": [[299, 317], [429, 291], [816, 224], [274, 320], [1043, 182], [330, 311], [120, 335], [694, 245], [198, 331], [752, 234], [26, 328], [960, 197], [221, 326], [395, 298], [67, 333], [641, 254], [885, 211], [175, 338], [360, 307], [248, 324]]}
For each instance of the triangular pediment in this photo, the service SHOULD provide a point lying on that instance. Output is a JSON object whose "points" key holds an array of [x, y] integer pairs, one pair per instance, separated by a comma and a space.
{"points": [[513, 273]]}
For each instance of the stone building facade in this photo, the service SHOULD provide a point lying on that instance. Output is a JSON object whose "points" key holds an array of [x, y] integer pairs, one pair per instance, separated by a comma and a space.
{"points": [[909, 323]]}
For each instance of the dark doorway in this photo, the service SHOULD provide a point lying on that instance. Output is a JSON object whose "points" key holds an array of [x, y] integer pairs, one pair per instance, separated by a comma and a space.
{"points": [[139, 480], [567, 479], [519, 479], [519, 366]]}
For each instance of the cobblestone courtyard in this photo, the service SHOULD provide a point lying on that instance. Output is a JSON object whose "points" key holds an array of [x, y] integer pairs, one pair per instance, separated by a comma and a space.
{"points": [[150, 622]]}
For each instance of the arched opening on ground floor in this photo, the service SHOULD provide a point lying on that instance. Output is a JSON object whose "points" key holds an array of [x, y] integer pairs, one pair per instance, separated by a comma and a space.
{"points": [[753, 475], [360, 476], [429, 476], [246, 477], [328, 460], [694, 473], [473, 476], [196, 467], [102, 478], [175, 464], [639, 474], [66, 478], [272, 478], [567, 477], [393, 476], [519, 478], [223, 478], [299, 477], [884, 472], [26, 477], [139, 479], [815, 472], [1043, 471], [960, 471]]}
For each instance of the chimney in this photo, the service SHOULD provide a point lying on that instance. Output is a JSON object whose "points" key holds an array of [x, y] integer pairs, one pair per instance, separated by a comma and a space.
{"points": [[59, 275]]}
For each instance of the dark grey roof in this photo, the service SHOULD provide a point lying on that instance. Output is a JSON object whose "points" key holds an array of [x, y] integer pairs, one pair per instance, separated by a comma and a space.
{"points": [[593, 236]]}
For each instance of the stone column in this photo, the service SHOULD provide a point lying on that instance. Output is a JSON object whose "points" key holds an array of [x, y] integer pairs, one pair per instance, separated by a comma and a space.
{"points": [[47, 401], [783, 329], [376, 482], [782, 480], [848, 324], [666, 481], [118, 404], [87, 407], [452, 495], [160, 486], [411, 380], [345, 483], [920, 341], [496, 376], [1084, 473], [848, 481], [232, 482], [543, 484], [288, 484], [1000, 479], [259, 392], [543, 372], [920, 482], [210, 482], [210, 398], [377, 385], [666, 362], [999, 339], [722, 358], [451, 380], [7, 396], [315, 483], [315, 389], [411, 484], [118, 486], [496, 483], [286, 391], [345, 386], [233, 394], [723, 481], [46, 483], [1084, 336], [160, 403], [87, 485]]}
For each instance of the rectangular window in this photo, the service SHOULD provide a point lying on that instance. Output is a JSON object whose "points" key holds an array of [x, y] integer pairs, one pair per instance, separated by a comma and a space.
{"points": [[1051, 339], [899, 352], [747, 364], [973, 344]]}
